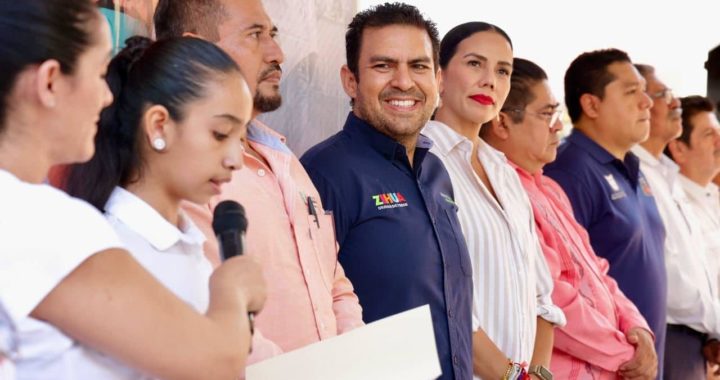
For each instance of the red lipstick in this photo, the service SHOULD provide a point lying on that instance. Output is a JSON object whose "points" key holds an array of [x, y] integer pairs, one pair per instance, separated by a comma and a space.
{"points": [[483, 99]]}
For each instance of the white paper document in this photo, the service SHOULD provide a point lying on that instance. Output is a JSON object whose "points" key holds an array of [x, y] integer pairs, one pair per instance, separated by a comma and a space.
{"points": [[399, 347]]}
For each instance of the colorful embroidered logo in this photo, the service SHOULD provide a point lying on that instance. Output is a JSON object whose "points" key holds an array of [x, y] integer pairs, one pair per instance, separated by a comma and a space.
{"points": [[389, 200]]}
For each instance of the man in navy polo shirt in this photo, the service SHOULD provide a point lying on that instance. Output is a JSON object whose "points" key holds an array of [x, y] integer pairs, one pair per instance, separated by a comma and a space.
{"points": [[606, 100], [396, 221]]}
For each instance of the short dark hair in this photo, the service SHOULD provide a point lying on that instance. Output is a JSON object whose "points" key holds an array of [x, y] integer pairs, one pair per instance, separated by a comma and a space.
{"points": [[456, 35], [173, 73], [34, 31], [385, 15], [588, 74], [691, 106], [172, 18], [525, 75]]}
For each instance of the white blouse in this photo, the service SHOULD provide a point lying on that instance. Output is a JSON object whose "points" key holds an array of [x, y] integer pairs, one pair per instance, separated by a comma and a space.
{"points": [[44, 235], [512, 283]]}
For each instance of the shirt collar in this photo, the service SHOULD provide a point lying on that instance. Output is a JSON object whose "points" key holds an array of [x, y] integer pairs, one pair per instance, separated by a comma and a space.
{"points": [[445, 139], [594, 149], [383, 144], [144, 220], [262, 134], [631, 163], [697, 191], [664, 165], [522, 173]]}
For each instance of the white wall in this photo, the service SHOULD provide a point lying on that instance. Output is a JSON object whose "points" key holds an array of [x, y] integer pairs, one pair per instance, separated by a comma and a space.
{"points": [[312, 36], [673, 36]]}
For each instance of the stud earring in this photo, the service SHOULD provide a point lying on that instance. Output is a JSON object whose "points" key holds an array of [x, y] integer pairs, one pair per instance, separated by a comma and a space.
{"points": [[159, 144]]}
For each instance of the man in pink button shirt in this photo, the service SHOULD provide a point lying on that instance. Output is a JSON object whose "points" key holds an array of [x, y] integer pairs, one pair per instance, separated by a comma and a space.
{"points": [[605, 337], [309, 297]]}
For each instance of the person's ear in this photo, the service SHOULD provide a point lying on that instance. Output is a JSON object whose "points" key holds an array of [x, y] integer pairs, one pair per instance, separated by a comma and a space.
{"points": [[678, 151], [48, 80], [500, 126], [349, 82], [158, 128], [590, 105]]}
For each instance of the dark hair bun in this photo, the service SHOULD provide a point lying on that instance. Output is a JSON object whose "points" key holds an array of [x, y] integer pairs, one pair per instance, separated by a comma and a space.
{"points": [[134, 49]]}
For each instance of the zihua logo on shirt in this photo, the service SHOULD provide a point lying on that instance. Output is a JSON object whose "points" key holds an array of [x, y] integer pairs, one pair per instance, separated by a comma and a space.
{"points": [[389, 200]]}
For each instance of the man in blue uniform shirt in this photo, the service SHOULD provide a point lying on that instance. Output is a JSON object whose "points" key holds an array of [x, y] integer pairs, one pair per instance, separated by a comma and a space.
{"points": [[396, 221], [606, 100]]}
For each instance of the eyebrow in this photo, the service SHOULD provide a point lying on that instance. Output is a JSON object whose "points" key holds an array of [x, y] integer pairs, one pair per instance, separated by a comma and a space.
{"points": [[484, 59], [551, 105], [382, 58], [273, 29], [231, 118]]}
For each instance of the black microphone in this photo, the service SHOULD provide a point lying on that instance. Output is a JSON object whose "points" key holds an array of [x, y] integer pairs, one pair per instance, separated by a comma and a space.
{"points": [[229, 224]]}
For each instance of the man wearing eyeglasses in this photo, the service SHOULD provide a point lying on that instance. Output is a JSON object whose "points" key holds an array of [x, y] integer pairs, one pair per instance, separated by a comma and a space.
{"points": [[693, 307], [605, 333]]}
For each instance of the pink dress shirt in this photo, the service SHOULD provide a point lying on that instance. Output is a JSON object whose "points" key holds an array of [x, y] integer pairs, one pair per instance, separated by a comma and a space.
{"points": [[308, 296], [593, 344]]}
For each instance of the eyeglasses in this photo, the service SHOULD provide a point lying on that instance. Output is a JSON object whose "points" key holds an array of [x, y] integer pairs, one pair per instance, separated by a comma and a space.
{"points": [[666, 95], [551, 117]]}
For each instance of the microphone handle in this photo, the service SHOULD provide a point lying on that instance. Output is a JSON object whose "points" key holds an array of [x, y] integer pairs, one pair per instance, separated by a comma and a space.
{"points": [[232, 244]]}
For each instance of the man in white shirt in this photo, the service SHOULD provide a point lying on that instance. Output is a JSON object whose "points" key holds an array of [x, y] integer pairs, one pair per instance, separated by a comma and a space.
{"points": [[693, 307], [697, 152]]}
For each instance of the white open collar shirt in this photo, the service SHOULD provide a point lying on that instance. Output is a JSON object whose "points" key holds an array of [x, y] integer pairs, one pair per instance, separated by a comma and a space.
{"points": [[511, 280], [706, 204], [692, 295]]}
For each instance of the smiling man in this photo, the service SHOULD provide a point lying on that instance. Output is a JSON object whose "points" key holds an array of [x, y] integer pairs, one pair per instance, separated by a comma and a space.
{"points": [[606, 100], [396, 221]]}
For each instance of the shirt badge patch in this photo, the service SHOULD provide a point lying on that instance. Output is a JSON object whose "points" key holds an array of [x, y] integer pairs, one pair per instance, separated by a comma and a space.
{"points": [[389, 200], [617, 192], [611, 181], [645, 186]]}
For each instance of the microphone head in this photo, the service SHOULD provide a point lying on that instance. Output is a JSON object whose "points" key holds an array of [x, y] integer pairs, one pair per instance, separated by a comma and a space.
{"points": [[229, 216]]}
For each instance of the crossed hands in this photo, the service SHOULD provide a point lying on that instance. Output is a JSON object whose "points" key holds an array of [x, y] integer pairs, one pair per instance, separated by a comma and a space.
{"points": [[643, 365]]}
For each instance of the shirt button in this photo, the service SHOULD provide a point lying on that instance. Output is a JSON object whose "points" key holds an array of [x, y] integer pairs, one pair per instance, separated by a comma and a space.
{"points": [[450, 314], [455, 360], [322, 325], [261, 172]]}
